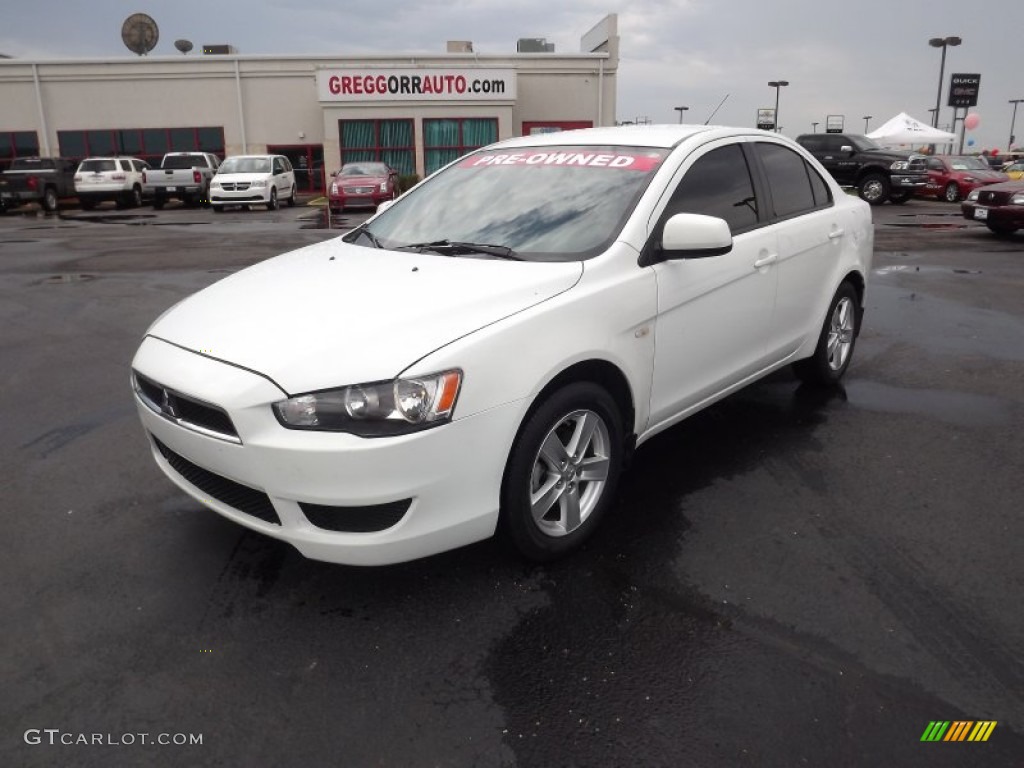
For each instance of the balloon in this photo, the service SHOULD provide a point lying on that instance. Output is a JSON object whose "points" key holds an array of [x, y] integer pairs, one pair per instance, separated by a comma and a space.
{"points": [[970, 142], [971, 121]]}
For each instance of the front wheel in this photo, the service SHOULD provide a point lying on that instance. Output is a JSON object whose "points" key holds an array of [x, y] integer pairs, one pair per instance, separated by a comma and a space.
{"points": [[873, 188], [272, 201], [561, 474], [951, 193], [291, 199], [832, 355]]}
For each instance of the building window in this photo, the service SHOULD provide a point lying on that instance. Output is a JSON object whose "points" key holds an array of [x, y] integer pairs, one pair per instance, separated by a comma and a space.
{"points": [[17, 144], [385, 141], [446, 140], [148, 144]]}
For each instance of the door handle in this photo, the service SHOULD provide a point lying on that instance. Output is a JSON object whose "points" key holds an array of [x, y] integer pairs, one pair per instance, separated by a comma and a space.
{"points": [[835, 234], [764, 261]]}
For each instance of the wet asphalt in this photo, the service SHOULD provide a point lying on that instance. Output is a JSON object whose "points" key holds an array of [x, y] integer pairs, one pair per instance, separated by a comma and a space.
{"points": [[788, 578]]}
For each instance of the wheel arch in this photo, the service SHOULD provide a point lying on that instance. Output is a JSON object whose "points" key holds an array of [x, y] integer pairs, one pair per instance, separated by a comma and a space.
{"points": [[855, 278]]}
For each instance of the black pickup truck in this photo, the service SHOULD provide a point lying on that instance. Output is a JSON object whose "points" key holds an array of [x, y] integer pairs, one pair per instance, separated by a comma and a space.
{"points": [[877, 173], [42, 180]]}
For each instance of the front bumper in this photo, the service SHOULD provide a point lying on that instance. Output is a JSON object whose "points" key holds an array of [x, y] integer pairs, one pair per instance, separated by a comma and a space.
{"points": [[908, 181], [235, 197], [444, 482], [1000, 216]]}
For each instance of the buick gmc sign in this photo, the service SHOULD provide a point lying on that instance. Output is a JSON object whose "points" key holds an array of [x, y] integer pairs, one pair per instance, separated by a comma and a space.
{"points": [[416, 84]]}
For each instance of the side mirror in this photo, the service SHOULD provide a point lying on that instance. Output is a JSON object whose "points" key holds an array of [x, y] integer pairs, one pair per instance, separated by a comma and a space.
{"points": [[695, 236], [847, 149]]}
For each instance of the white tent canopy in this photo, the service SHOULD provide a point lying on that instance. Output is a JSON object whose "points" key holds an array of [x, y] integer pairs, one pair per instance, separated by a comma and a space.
{"points": [[903, 129]]}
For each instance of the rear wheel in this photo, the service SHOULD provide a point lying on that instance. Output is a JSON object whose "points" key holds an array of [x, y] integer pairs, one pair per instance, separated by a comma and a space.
{"points": [[50, 200], [158, 202], [272, 201], [561, 474], [832, 355], [873, 188], [951, 193]]}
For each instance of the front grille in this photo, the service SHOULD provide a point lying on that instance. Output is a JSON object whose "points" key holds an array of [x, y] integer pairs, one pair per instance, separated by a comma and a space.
{"points": [[358, 190], [235, 495], [184, 410], [376, 517], [231, 186], [988, 197]]}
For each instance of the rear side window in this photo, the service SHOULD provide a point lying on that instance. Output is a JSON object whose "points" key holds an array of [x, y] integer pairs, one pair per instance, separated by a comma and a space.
{"points": [[98, 166], [788, 180], [718, 184]]}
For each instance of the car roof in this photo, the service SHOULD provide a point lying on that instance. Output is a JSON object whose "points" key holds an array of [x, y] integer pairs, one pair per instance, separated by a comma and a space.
{"points": [[252, 157], [664, 136]]}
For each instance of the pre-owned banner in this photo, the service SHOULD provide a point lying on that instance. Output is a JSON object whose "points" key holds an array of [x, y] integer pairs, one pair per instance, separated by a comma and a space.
{"points": [[416, 84]]}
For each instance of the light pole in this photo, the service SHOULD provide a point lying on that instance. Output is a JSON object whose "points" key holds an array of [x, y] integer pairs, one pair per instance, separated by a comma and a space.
{"points": [[1013, 120], [777, 84], [814, 127], [680, 110], [866, 118], [943, 43]]}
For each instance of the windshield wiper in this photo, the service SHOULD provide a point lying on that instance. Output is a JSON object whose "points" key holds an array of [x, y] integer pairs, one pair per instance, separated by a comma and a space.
{"points": [[362, 230], [456, 247]]}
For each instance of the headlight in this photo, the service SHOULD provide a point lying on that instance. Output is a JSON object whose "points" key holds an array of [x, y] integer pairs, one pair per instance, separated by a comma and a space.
{"points": [[1018, 199], [259, 183], [900, 165], [334, 189], [215, 184], [974, 194], [970, 179], [378, 409], [384, 187]]}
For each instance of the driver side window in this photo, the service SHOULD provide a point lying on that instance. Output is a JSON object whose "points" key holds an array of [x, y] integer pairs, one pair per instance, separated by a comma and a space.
{"points": [[718, 184]]}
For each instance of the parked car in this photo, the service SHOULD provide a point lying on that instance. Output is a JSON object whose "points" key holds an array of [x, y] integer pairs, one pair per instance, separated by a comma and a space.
{"points": [[485, 353], [43, 180], [253, 180], [182, 175], [952, 177], [999, 206], [1014, 171], [362, 185], [110, 178]]}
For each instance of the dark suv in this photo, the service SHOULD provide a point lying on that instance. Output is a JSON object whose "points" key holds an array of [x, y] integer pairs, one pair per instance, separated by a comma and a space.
{"points": [[877, 173]]}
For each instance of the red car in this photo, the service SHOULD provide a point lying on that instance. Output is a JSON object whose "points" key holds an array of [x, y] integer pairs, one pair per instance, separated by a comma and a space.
{"points": [[953, 177], [362, 185], [999, 206]]}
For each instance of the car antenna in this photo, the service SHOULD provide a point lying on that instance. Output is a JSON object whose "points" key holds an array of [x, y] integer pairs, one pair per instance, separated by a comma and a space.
{"points": [[716, 109]]}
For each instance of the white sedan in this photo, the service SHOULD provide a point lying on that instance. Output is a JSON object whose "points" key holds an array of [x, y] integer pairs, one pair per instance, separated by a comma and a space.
{"points": [[485, 353]]}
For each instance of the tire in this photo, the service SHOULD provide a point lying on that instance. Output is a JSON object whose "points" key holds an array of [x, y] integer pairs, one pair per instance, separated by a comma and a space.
{"points": [[951, 194], [50, 200], [873, 188], [549, 506], [900, 197], [87, 205], [291, 198], [272, 201], [1002, 229], [135, 197], [834, 350], [158, 202]]}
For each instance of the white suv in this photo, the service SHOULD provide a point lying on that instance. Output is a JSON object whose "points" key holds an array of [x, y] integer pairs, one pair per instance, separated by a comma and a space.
{"points": [[253, 180], [110, 178]]}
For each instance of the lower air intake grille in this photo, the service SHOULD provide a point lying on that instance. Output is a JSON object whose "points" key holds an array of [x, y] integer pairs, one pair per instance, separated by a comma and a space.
{"points": [[376, 517], [235, 495]]}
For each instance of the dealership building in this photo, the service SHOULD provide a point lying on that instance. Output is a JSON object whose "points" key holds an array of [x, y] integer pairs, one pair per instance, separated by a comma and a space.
{"points": [[415, 112]]}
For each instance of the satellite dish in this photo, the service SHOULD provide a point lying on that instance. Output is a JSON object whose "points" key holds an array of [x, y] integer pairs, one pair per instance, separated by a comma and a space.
{"points": [[139, 33], [183, 45]]}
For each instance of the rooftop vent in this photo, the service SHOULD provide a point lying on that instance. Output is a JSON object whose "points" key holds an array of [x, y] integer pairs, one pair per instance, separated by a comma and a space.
{"points": [[460, 46], [219, 49], [534, 45]]}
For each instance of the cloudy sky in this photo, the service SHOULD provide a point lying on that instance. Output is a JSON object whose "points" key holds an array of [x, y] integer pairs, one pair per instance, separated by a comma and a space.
{"points": [[869, 57]]}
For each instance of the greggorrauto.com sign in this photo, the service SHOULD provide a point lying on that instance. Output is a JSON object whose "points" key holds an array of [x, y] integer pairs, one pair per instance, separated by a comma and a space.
{"points": [[416, 84]]}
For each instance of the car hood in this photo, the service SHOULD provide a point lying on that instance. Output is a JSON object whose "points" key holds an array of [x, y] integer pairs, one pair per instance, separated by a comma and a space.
{"points": [[334, 313], [237, 177], [992, 176]]}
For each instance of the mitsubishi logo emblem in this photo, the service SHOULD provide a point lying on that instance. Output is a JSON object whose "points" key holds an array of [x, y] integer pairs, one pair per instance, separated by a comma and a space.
{"points": [[167, 405]]}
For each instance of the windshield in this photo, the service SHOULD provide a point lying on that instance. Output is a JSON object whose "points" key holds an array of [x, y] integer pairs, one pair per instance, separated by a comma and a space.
{"points": [[179, 162], [544, 203], [245, 165], [862, 143], [97, 166], [364, 169], [968, 164]]}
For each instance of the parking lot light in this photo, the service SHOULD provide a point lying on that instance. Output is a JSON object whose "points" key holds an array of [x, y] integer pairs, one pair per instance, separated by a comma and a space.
{"points": [[777, 84], [943, 43], [681, 110]]}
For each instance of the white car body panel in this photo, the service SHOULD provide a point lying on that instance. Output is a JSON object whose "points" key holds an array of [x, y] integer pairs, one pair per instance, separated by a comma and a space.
{"points": [[681, 334]]}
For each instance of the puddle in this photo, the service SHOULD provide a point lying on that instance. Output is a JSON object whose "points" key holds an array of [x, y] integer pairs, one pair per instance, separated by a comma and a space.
{"points": [[320, 222], [958, 408], [937, 225], [79, 277], [926, 269], [132, 220]]}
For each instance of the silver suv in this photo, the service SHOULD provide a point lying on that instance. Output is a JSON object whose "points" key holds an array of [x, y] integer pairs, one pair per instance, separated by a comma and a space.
{"points": [[110, 178]]}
